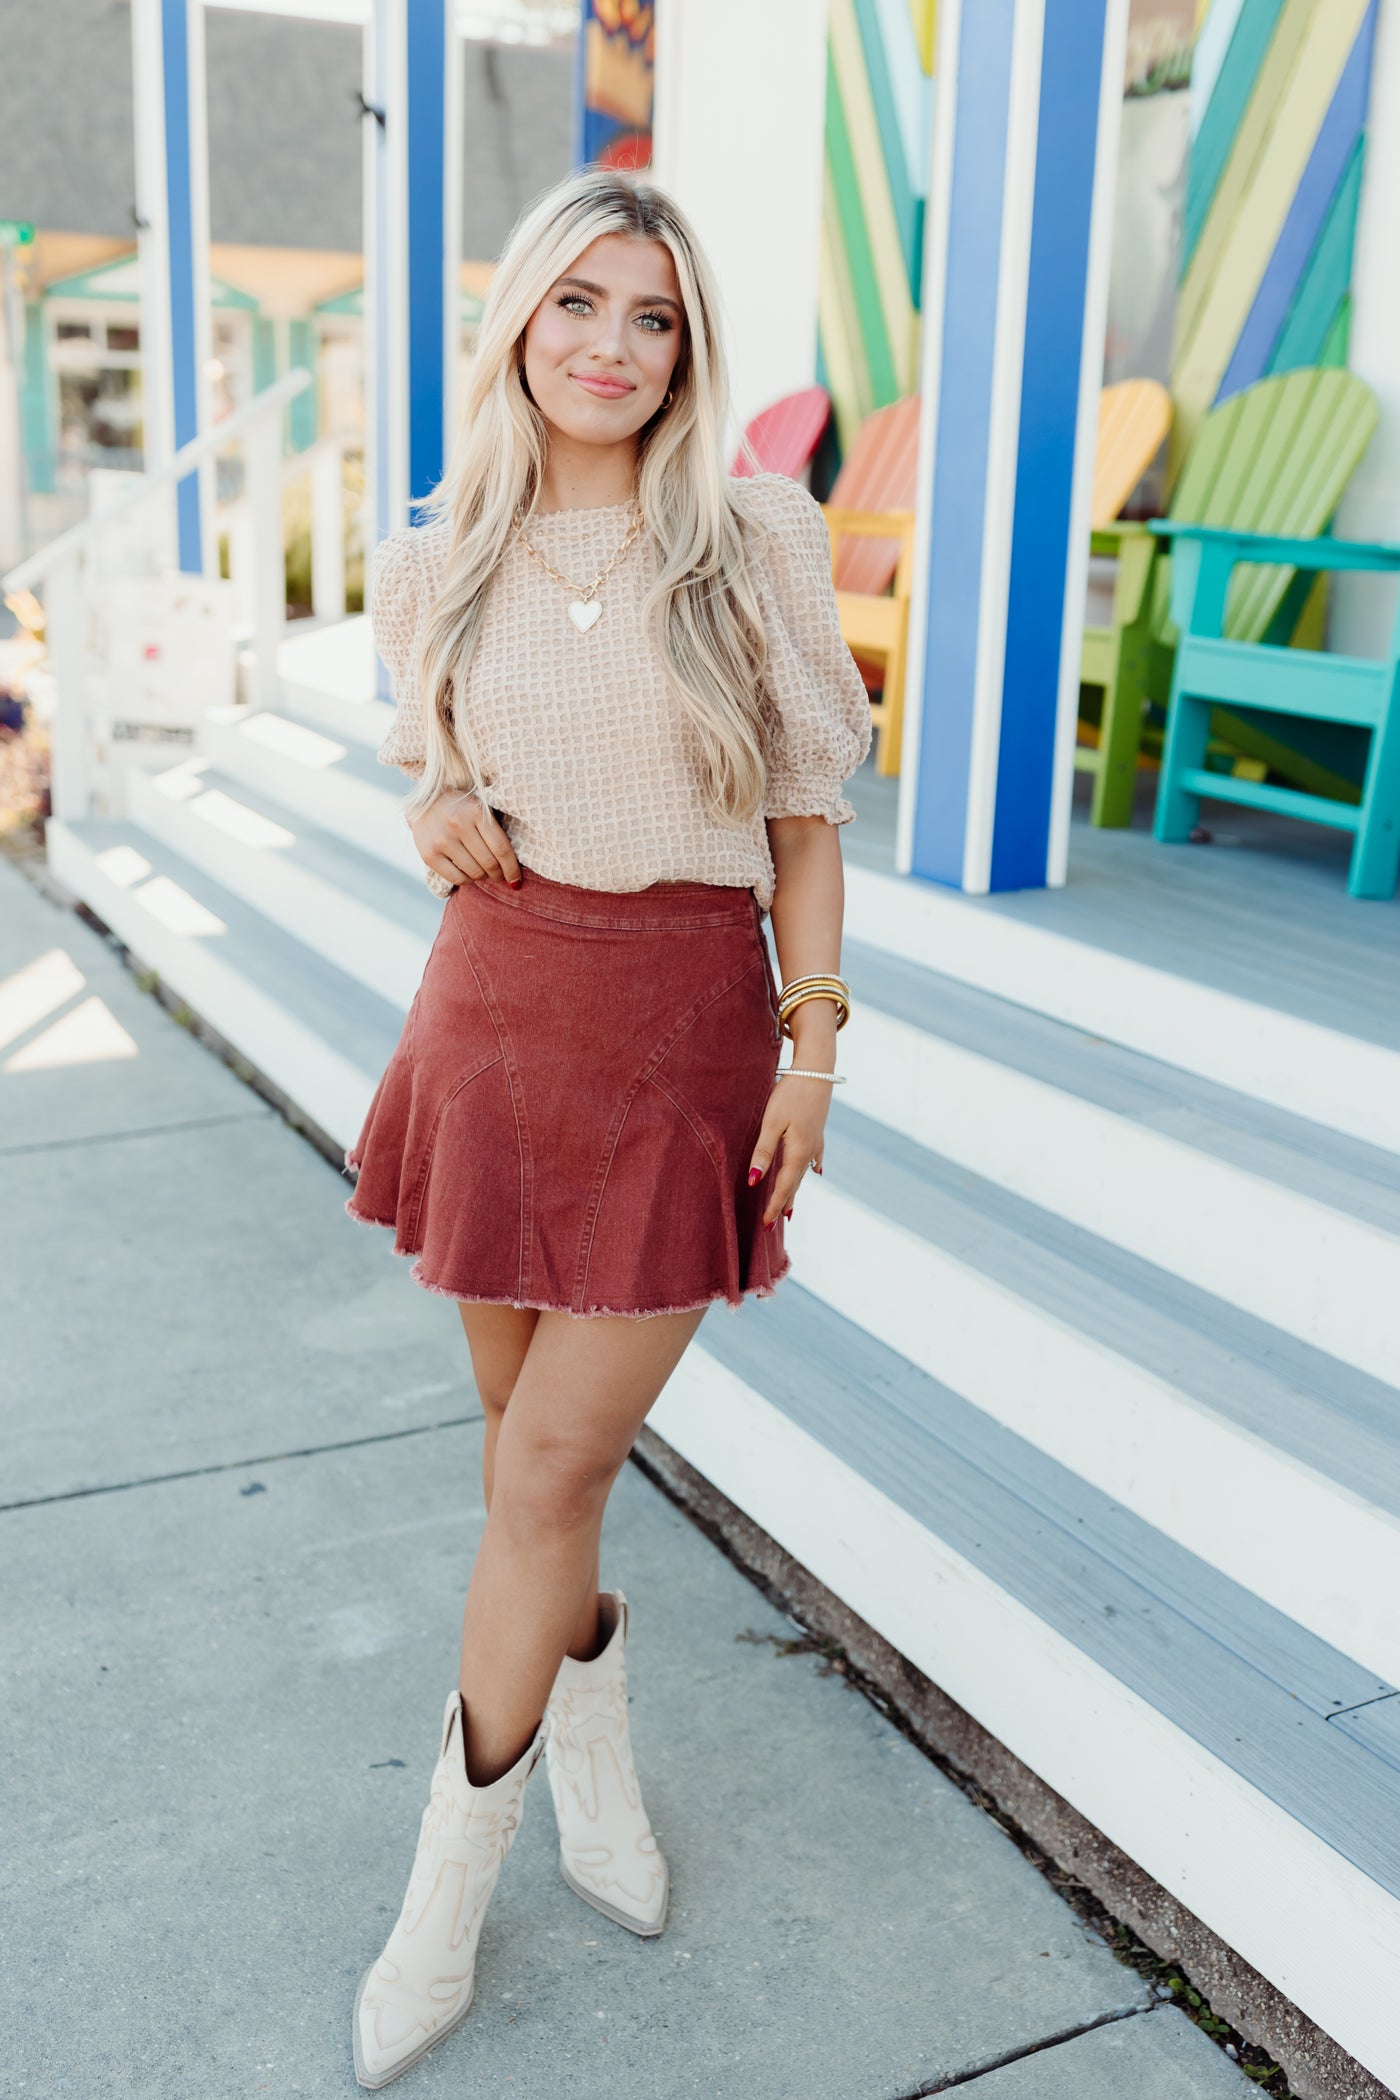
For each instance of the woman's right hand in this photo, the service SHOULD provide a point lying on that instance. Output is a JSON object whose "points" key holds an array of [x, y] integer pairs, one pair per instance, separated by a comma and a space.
{"points": [[459, 838]]}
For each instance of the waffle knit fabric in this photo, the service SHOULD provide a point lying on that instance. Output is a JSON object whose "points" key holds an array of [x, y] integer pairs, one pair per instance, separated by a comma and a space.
{"points": [[588, 759]]}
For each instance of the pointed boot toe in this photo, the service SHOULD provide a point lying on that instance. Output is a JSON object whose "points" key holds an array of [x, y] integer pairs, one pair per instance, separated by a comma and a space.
{"points": [[608, 1852]]}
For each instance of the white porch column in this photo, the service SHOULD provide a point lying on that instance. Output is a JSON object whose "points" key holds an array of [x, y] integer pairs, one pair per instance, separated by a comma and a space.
{"points": [[413, 190], [172, 205]]}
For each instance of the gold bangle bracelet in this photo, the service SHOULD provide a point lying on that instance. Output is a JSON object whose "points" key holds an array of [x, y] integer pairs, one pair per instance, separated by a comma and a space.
{"points": [[813, 987], [789, 1008]]}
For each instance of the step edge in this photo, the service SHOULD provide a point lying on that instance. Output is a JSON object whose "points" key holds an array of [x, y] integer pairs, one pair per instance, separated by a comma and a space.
{"points": [[1325, 1516]]}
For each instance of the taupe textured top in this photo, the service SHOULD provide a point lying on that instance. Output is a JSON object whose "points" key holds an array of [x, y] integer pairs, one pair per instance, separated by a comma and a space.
{"points": [[589, 762]]}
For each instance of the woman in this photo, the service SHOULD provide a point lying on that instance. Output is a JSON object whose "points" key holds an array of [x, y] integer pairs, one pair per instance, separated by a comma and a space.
{"points": [[621, 680]]}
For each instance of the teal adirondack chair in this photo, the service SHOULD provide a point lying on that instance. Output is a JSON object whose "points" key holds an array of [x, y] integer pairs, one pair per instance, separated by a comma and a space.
{"points": [[1274, 459], [1348, 695]]}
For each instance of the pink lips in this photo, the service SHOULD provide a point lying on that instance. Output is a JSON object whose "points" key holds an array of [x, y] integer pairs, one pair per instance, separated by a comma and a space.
{"points": [[606, 389]]}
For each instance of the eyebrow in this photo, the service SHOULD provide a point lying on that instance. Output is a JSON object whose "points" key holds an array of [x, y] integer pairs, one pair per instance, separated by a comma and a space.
{"points": [[601, 291]]}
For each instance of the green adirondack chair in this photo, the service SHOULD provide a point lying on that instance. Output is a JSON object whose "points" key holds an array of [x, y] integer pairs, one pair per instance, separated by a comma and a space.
{"points": [[1342, 696], [1273, 459]]}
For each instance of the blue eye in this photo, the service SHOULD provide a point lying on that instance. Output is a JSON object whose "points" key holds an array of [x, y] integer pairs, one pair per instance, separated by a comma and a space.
{"points": [[664, 323]]}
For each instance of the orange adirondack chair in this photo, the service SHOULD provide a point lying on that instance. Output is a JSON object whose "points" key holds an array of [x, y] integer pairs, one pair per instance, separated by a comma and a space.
{"points": [[783, 437], [870, 517], [873, 571], [1134, 418], [880, 472]]}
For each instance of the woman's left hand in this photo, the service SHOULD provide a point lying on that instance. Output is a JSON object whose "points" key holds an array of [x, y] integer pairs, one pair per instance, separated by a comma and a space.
{"points": [[794, 1126]]}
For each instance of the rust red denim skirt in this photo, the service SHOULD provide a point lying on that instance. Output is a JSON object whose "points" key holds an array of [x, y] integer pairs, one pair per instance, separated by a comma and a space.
{"points": [[568, 1118]]}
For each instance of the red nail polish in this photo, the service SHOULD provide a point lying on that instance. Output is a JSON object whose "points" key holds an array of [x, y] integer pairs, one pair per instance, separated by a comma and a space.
{"points": [[768, 1227], [755, 1176], [787, 1213], [518, 883]]}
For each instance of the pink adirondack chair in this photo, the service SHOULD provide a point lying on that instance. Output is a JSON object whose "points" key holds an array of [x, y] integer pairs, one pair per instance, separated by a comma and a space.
{"points": [[880, 472], [784, 436]]}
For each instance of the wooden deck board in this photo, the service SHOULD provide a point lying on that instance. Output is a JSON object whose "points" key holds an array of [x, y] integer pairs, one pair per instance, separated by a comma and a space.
{"points": [[1261, 912]]}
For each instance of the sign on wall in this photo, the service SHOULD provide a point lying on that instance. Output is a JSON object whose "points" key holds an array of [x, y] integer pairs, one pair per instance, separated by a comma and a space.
{"points": [[619, 51]]}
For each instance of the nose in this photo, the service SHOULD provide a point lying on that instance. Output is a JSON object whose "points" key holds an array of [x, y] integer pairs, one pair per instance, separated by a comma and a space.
{"points": [[608, 343]]}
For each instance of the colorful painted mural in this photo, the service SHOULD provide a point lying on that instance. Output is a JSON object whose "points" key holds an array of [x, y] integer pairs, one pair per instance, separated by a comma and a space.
{"points": [[878, 135], [617, 54], [1279, 96]]}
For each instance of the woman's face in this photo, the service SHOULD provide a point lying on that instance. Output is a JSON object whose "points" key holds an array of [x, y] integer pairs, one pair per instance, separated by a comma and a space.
{"points": [[602, 344]]}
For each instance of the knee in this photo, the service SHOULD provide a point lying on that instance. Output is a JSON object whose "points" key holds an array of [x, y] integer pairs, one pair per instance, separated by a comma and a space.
{"points": [[494, 1395], [549, 1485]]}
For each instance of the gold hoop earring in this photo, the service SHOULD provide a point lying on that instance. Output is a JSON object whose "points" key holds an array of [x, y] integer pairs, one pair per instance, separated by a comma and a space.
{"points": [[669, 398]]}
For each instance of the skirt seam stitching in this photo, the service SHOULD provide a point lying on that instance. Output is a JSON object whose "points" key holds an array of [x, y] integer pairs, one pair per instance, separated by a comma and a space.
{"points": [[652, 1064], [515, 1090], [423, 1175]]}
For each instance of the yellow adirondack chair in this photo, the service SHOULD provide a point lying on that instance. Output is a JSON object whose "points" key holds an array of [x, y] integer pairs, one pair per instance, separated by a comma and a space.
{"points": [[876, 629]]}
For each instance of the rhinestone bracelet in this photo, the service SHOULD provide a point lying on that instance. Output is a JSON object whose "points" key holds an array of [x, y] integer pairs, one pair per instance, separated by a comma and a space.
{"points": [[801, 1072]]}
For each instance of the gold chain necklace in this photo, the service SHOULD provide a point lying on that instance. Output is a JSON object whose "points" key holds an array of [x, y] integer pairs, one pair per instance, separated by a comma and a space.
{"points": [[584, 609]]}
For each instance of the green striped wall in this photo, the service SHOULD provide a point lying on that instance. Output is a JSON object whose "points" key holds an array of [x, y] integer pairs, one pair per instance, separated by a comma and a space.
{"points": [[1273, 193], [875, 185]]}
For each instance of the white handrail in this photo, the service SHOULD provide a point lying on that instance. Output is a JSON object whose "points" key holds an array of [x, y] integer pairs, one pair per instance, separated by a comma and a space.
{"points": [[303, 462], [208, 445], [61, 567]]}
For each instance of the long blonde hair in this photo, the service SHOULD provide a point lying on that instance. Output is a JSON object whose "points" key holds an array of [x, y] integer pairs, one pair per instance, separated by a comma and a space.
{"points": [[702, 613]]}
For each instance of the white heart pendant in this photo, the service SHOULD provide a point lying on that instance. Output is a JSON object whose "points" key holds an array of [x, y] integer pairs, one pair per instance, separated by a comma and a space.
{"points": [[585, 613]]}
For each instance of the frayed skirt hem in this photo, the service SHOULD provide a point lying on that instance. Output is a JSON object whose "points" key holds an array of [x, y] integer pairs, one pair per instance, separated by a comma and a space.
{"points": [[593, 1312]]}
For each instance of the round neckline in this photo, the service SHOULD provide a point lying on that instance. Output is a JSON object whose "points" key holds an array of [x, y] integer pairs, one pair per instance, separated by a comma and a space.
{"points": [[579, 510]]}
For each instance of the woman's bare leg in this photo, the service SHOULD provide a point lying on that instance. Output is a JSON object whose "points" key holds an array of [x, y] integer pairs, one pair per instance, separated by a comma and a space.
{"points": [[581, 1395], [498, 1337]]}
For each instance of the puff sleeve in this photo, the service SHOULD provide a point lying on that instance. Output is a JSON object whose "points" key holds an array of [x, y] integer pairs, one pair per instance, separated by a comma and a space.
{"points": [[395, 606], [822, 727]]}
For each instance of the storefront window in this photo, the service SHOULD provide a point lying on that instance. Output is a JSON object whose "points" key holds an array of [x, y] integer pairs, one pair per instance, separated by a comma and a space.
{"points": [[97, 369], [99, 416]]}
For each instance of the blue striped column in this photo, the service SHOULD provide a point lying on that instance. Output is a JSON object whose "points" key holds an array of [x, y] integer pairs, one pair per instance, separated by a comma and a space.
{"points": [[1015, 299], [172, 209], [413, 207]]}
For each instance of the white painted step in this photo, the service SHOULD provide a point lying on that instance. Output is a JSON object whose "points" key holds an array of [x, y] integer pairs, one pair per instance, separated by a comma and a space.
{"points": [[1291, 1221], [373, 921], [1268, 1459], [317, 1033], [1308, 1069], [329, 676], [1239, 1760], [336, 781]]}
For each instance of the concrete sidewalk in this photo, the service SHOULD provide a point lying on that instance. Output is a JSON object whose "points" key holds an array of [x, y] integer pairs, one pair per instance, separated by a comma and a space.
{"points": [[240, 1476]]}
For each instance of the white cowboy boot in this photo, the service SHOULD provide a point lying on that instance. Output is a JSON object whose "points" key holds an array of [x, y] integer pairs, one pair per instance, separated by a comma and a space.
{"points": [[607, 1850], [422, 1983]]}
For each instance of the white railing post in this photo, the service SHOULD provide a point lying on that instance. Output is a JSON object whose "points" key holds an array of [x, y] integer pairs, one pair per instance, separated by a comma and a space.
{"points": [[262, 453], [241, 540], [328, 530], [70, 787]]}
